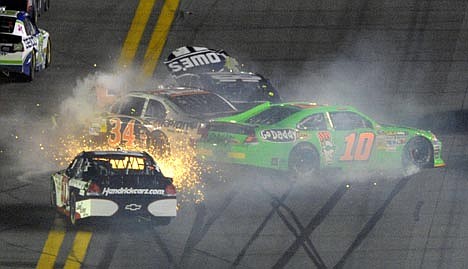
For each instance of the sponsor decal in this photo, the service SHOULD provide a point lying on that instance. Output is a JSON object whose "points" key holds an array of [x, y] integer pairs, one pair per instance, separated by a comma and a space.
{"points": [[327, 146], [185, 59], [131, 191], [30, 42], [79, 184], [132, 207], [175, 124], [279, 135], [389, 141], [221, 139]]}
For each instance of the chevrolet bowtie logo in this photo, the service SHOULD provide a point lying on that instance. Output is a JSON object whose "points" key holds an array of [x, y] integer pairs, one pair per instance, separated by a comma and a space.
{"points": [[132, 207]]}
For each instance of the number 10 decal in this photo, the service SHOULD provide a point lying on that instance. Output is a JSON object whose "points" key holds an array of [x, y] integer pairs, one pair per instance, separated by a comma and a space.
{"points": [[359, 150]]}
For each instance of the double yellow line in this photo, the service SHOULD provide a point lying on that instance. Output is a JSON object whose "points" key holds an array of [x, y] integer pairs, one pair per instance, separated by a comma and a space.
{"points": [[54, 242], [82, 239], [158, 37]]}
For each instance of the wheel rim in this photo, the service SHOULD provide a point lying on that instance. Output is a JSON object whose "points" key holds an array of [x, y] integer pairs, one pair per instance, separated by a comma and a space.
{"points": [[304, 163], [419, 152], [48, 54]]}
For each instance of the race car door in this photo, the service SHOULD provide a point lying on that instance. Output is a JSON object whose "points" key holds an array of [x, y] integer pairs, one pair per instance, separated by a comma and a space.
{"points": [[353, 136]]}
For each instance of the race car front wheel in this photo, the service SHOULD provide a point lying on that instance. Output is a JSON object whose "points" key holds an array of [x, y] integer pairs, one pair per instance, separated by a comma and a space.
{"points": [[72, 202], [48, 55], [417, 153], [304, 161]]}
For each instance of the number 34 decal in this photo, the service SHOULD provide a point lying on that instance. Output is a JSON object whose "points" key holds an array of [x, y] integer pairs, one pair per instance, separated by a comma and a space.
{"points": [[116, 137], [358, 149]]}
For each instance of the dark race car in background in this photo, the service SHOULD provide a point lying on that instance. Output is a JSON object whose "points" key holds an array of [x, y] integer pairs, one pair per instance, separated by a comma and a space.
{"points": [[243, 90], [32, 7], [158, 119], [113, 183], [215, 71]]}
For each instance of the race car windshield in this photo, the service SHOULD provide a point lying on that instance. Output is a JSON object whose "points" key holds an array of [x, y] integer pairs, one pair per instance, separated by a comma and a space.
{"points": [[273, 115], [241, 91], [7, 25], [132, 106], [200, 104], [128, 165], [9, 39]]}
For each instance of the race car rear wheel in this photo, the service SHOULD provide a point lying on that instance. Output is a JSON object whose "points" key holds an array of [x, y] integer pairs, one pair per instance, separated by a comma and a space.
{"points": [[48, 54], [418, 153], [160, 143], [72, 202], [53, 193], [31, 67], [304, 161]]}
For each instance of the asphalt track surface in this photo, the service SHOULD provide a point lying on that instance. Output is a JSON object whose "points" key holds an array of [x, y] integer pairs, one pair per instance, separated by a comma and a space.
{"points": [[403, 62]]}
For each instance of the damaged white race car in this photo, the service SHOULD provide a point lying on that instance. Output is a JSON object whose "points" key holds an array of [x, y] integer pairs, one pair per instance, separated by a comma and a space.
{"points": [[114, 183]]}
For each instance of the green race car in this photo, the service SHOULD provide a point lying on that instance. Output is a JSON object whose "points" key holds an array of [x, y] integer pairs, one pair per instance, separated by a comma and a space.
{"points": [[304, 137]]}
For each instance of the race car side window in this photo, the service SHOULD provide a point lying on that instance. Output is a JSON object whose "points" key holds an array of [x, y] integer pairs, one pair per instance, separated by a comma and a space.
{"points": [[30, 29], [313, 122], [155, 110], [349, 121], [27, 27], [132, 106], [273, 115], [74, 170]]}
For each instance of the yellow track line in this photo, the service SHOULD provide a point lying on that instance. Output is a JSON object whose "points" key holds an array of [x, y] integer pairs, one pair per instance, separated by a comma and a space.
{"points": [[52, 246], [144, 9], [78, 252], [159, 36]]}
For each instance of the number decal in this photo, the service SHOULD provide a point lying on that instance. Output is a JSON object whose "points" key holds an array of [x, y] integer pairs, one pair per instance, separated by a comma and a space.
{"points": [[127, 136], [359, 150], [115, 137]]}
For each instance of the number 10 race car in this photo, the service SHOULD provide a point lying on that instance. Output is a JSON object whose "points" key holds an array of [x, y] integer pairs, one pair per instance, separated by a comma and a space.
{"points": [[304, 137], [113, 183]]}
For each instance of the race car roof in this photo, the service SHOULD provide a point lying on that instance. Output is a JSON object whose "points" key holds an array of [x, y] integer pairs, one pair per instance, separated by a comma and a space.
{"points": [[233, 77], [169, 92], [109, 153]]}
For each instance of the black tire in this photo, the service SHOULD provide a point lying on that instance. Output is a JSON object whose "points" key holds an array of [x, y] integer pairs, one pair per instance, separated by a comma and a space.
{"points": [[46, 5], [72, 204], [418, 153], [48, 54], [161, 221], [32, 68], [304, 161], [160, 144], [53, 193]]}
